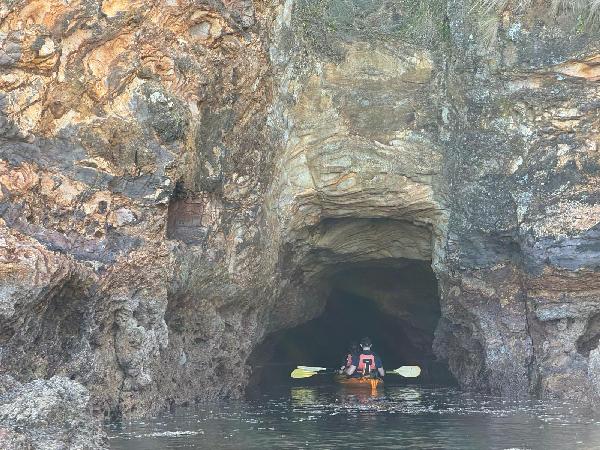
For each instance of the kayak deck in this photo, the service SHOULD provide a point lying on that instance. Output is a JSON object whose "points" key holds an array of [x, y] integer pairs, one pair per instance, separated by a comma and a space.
{"points": [[362, 382]]}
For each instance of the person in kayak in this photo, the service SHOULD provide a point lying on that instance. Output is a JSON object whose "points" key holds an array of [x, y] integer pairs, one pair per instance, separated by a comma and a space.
{"points": [[365, 363], [352, 351]]}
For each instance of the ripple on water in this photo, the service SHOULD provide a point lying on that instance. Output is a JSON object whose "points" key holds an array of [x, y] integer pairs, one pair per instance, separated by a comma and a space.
{"points": [[405, 417]]}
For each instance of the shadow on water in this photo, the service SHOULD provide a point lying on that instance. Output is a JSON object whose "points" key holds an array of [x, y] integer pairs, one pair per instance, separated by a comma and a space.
{"points": [[395, 417]]}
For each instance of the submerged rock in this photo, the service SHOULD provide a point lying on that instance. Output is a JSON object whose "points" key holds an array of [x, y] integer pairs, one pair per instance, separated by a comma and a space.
{"points": [[49, 414]]}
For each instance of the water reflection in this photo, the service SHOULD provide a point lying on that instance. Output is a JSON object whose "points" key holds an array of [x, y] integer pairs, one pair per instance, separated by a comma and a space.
{"points": [[394, 417], [301, 396], [410, 395]]}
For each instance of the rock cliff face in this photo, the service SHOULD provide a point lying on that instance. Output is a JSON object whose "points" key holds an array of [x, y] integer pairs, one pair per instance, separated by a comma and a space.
{"points": [[181, 178], [519, 277]]}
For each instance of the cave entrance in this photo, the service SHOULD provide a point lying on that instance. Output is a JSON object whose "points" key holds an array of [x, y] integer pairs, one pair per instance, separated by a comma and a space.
{"points": [[396, 305]]}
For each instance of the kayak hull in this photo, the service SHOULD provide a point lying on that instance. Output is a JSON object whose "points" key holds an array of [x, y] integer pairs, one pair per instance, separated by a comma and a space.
{"points": [[361, 382]]}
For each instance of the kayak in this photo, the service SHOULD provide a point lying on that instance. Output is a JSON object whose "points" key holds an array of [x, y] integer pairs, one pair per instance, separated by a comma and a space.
{"points": [[361, 382]]}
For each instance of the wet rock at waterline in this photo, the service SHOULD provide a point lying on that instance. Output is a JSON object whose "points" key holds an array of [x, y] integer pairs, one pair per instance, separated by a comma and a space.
{"points": [[48, 414], [180, 180]]}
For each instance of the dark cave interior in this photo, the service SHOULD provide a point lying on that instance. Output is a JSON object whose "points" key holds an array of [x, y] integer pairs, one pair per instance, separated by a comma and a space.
{"points": [[396, 305]]}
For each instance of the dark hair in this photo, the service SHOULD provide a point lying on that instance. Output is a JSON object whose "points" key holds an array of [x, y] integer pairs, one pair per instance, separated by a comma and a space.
{"points": [[365, 342], [353, 347]]}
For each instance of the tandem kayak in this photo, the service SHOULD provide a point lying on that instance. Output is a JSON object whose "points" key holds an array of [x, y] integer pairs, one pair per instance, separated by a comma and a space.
{"points": [[361, 382]]}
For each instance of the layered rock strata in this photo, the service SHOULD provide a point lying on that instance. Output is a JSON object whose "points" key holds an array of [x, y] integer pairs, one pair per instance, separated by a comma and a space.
{"points": [[114, 113], [181, 178], [519, 277]]}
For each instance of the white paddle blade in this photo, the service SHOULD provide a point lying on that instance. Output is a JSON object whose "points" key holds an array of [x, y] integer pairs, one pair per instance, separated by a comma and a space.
{"points": [[312, 369], [408, 371]]}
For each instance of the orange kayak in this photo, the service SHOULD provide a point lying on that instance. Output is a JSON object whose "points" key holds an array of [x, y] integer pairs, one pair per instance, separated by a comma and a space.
{"points": [[362, 382]]}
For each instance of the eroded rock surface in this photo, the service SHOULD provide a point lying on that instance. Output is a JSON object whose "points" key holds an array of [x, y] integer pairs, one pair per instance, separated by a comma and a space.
{"points": [[112, 111], [522, 233], [48, 414], [181, 178]]}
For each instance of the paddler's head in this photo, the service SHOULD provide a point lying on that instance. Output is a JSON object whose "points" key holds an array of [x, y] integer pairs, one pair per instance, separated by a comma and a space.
{"points": [[365, 343]]}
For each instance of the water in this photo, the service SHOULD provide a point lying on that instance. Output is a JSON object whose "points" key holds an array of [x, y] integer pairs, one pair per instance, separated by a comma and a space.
{"points": [[398, 417]]}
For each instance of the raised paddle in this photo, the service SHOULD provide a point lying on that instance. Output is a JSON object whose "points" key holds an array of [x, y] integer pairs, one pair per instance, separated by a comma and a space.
{"points": [[307, 371]]}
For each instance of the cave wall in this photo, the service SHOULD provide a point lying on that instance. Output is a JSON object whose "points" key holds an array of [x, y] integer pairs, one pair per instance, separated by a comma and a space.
{"points": [[113, 113], [520, 271], [179, 179]]}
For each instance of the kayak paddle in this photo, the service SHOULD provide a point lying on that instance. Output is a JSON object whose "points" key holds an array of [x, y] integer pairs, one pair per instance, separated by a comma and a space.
{"points": [[307, 371], [301, 373], [313, 369], [406, 371]]}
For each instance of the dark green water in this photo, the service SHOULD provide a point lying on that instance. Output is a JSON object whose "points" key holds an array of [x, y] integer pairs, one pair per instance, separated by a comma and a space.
{"points": [[400, 417]]}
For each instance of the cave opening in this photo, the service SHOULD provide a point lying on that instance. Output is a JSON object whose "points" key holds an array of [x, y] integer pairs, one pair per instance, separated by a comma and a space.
{"points": [[395, 303]]}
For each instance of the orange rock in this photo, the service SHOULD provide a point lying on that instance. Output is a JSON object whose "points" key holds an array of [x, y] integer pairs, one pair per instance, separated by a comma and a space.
{"points": [[588, 69]]}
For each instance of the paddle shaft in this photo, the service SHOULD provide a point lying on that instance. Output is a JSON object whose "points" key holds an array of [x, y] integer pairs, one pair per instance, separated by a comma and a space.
{"points": [[307, 371]]}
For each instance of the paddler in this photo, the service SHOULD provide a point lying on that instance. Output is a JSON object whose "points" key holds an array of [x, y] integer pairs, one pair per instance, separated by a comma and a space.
{"points": [[352, 351], [365, 362]]}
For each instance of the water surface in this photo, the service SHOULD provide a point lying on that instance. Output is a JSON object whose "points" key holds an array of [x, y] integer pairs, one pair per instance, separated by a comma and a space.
{"points": [[397, 417]]}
